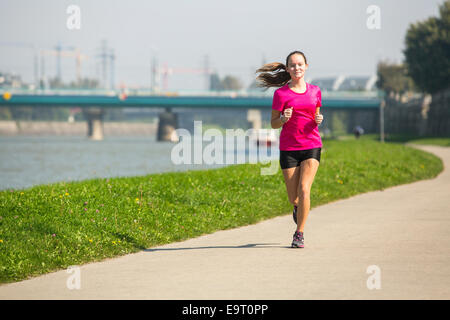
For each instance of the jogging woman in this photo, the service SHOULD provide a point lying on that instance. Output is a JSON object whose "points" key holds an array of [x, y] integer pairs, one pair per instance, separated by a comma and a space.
{"points": [[295, 107]]}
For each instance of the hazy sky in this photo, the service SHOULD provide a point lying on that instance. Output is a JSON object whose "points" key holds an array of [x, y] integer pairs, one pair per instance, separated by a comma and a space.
{"points": [[235, 34]]}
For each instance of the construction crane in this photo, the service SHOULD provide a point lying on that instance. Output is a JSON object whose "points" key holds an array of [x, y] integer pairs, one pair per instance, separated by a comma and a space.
{"points": [[58, 52], [59, 49], [112, 58], [166, 71], [64, 53], [107, 53]]}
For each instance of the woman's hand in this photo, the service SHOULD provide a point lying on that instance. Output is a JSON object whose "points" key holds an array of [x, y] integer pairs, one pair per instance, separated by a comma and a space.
{"points": [[287, 115], [318, 118]]}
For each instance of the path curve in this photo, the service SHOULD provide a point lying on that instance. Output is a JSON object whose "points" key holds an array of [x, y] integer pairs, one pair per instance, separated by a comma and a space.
{"points": [[404, 231]]}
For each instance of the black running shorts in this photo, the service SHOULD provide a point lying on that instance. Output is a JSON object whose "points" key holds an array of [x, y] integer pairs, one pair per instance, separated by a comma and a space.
{"points": [[290, 159]]}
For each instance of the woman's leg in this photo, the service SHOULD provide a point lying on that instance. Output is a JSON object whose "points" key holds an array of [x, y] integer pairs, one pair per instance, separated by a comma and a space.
{"points": [[308, 169], [292, 179]]}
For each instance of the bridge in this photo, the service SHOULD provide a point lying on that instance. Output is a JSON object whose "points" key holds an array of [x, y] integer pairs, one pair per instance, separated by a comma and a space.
{"points": [[94, 103]]}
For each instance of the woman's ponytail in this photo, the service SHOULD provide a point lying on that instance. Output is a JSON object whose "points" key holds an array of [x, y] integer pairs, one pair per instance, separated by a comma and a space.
{"points": [[275, 74], [272, 75]]}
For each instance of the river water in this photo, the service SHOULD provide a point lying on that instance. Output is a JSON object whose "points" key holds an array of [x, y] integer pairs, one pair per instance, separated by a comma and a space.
{"points": [[26, 161]]}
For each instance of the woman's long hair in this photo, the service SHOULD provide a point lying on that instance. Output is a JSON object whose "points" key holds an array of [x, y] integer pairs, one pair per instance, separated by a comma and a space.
{"points": [[275, 74]]}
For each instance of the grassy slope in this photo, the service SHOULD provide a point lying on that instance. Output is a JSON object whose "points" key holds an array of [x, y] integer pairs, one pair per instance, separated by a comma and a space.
{"points": [[49, 227]]}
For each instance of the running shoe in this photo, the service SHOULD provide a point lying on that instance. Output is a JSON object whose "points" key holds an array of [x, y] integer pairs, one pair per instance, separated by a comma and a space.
{"points": [[294, 214], [298, 241]]}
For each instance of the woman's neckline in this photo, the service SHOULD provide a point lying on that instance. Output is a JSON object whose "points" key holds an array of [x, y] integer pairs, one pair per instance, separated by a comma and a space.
{"points": [[306, 84]]}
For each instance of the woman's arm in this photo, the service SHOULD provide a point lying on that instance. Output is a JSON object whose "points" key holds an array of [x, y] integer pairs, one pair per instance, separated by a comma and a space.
{"points": [[276, 122]]}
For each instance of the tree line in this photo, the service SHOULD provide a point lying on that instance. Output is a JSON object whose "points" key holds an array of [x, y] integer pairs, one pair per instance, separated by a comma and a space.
{"points": [[426, 67]]}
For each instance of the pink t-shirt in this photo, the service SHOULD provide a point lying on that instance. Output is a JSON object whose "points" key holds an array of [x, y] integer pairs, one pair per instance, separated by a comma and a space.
{"points": [[301, 131]]}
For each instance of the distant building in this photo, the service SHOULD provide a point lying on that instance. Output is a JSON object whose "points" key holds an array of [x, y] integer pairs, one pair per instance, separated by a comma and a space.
{"points": [[346, 83], [325, 84], [8, 80]]}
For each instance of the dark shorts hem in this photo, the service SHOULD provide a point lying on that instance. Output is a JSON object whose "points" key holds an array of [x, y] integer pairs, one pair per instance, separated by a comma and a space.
{"points": [[293, 158]]}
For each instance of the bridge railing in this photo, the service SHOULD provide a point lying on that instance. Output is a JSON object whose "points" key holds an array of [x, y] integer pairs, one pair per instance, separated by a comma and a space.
{"points": [[146, 92]]}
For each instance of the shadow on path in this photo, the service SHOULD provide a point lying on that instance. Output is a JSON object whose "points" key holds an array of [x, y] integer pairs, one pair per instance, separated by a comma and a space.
{"points": [[250, 245]]}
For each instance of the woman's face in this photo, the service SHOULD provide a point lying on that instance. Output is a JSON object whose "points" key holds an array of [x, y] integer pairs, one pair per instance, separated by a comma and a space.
{"points": [[297, 66]]}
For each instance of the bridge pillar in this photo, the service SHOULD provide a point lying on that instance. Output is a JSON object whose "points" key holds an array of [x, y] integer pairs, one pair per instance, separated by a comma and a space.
{"points": [[168, 123], [94, 117]]}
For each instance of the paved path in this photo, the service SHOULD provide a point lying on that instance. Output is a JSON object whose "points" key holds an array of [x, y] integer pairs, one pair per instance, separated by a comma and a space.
{"points": [[404, 230]]}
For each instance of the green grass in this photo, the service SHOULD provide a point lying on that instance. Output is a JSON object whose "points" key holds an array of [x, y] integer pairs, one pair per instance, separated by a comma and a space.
{"points": [[401, 138], [51, 227], [443, 142]]}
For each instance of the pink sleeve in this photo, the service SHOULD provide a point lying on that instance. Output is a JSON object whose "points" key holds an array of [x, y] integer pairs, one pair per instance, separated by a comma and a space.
{"points": [[319, 99], [277, 102]]}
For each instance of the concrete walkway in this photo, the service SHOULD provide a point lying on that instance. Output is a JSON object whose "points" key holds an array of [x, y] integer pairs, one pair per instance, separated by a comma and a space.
{"points": [[404, 231]]}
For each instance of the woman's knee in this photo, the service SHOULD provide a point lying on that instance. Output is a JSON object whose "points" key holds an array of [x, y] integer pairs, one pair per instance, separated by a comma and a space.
{"points": [[304, 191]]}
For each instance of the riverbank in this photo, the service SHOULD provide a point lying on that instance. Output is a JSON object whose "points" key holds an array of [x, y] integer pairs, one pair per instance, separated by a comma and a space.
{"points": [[14, 128], [51, 227]]}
